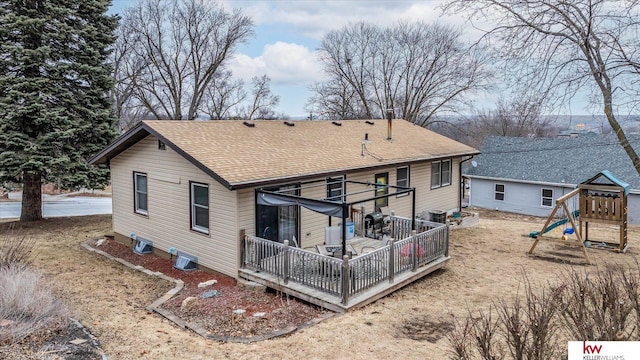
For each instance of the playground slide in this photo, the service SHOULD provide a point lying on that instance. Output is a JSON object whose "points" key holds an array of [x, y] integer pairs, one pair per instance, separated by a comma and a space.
{"points": [[535, 234]]}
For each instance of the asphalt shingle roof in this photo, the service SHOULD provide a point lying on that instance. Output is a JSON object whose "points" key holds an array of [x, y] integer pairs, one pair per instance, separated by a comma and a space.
{"points": [[271, 150], [555, 160]]}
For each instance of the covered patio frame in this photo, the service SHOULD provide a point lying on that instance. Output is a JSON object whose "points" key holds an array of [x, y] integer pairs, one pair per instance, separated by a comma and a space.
{"points": [[333, 207]]}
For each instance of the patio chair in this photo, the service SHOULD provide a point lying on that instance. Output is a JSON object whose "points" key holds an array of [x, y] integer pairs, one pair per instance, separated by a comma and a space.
{"points": [[384, 242]]}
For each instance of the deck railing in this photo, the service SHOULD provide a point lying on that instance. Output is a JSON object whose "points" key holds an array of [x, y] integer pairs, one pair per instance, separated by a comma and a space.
{"points": [[345, 277]]}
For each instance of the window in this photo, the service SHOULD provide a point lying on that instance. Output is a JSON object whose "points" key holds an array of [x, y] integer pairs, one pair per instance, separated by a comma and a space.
{"points": [[499, 192], [440, 173], [335, 188], [279, 223], [140, 193], [200, 207], [547, 197], [382, 189], [402, 178]]}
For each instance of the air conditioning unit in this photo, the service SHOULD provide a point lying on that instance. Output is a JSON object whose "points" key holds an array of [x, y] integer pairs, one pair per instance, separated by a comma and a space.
{"points": [[143, 246], [186, 262]]}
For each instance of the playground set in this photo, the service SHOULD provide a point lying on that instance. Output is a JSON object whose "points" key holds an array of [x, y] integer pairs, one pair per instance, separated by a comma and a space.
{"points": [[602, 199]]}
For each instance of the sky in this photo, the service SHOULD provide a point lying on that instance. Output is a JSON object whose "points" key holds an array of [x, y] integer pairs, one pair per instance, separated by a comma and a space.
{"points": [[288, 34]]}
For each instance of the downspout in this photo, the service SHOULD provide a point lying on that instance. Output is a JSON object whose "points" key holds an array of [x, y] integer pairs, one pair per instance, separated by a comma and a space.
{"points": [[461, 183]]}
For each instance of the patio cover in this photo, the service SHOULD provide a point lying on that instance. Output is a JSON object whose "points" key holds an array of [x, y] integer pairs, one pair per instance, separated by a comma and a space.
{"points": [[323, 207]]}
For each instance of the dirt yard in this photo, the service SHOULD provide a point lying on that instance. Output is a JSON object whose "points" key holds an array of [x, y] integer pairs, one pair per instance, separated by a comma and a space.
{"points": [[488, 262]]}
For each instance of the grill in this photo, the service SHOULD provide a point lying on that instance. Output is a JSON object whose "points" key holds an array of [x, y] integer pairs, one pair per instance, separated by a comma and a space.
{"points": [[374, 224]]}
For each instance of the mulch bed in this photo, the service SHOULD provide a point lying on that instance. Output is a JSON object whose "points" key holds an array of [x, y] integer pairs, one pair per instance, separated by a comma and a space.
{"points": [[236, 311]]}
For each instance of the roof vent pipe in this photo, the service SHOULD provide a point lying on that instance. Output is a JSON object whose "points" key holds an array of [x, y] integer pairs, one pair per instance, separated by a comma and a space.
{"points": [[389, 122]]}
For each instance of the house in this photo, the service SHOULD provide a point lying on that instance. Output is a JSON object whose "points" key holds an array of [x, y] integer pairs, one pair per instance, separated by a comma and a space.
{"points": [[526, 176], [194, 186]]}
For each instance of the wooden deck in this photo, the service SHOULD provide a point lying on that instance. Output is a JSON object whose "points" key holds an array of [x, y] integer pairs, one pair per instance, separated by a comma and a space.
{"points": [[334, 303], [343, 283]]}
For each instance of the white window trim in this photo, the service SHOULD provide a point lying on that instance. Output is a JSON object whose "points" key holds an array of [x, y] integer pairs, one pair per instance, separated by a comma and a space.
{"points": [[542, 197], [136, 205], [408, 178], [449, 171], [503, 192], [343, 190], [193, 205], [441, 182]]}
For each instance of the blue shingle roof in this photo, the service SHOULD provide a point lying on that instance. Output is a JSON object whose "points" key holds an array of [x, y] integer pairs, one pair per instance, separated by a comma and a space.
{"points": [[555, 160]]}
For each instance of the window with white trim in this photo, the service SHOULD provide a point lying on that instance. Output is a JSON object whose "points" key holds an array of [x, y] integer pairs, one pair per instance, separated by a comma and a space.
{"points": [[335, 188], [547, 197], [440, 173], [402, 178], [499, 192], [199, 207], [140, 199]]}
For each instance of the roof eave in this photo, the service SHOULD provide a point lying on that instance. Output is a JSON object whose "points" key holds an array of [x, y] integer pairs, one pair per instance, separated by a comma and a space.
{"points": [[122, 143], [139, 132], [308, 176]]}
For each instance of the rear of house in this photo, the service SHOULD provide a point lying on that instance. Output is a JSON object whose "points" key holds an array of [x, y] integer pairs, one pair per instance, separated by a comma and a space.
{"points": [[192, 186]]}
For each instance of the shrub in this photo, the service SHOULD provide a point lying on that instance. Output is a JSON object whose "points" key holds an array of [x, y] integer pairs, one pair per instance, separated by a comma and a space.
{"points": [[26, 304], [600, 306], [16, 250]]}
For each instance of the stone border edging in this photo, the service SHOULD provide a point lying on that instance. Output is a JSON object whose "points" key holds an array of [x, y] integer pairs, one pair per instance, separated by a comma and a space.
{"points": [[155, 306]]}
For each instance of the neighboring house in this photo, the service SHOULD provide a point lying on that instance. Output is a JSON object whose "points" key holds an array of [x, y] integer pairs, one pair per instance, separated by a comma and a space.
{"points": [[526, 176], [192, 185]]}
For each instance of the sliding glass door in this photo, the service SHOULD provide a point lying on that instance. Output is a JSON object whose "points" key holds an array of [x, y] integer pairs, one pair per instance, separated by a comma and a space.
{"points": [[279, 223]]}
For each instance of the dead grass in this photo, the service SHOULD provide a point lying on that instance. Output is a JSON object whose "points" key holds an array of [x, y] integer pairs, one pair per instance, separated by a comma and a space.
{"points": [[487, 264]]}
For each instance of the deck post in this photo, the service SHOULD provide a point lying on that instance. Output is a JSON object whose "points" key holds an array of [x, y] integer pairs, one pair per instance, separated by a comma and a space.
{"points": [[391, 260], [446, 242], [345, 279], [285, 253], [414, 251]]}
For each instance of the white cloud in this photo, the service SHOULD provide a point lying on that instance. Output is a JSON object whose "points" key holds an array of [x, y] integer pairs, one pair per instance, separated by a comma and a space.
{"points": [[284, 63], [315, 18]]}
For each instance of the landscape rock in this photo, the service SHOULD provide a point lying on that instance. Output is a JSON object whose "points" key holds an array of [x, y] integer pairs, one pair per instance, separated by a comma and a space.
{"points": [[189, 304], [239, 311], [207, 283], [210, 294]]}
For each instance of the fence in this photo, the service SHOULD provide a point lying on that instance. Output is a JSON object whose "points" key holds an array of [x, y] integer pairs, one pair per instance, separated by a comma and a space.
{"points": [[345, 277]]}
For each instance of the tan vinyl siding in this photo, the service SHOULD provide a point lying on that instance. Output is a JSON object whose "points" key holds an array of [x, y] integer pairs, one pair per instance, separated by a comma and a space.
{"points": [[444, 198], [313, 224], [168, 221]]}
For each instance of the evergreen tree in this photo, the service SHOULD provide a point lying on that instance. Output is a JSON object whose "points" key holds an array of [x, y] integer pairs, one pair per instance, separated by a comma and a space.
{"points": [[55, 110]]}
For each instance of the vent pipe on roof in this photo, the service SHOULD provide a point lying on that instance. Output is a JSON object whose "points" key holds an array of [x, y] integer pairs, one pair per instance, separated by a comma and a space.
{"points": [[369, 122], [288, 123], [389, 122], [249, 124], [336, 123]]}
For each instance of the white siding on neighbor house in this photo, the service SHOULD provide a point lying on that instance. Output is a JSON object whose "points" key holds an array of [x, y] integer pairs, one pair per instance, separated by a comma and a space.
{"points": [[525, 198], [633, 204], [521, 198], [168, 221]]}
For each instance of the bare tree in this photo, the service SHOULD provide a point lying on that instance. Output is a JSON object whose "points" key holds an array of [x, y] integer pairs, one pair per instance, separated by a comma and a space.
{"points": [[185, 44], [262, 101], [223, 95], [128, 68], [335, 99], [417, 69], [518, 117], [560, 47]]}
